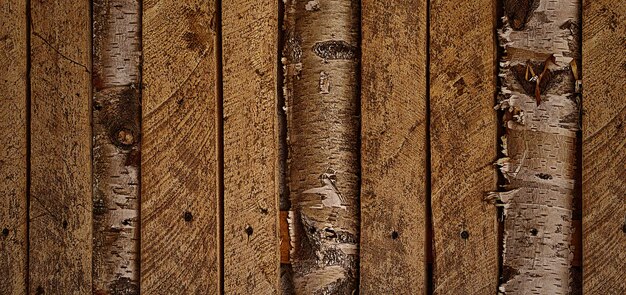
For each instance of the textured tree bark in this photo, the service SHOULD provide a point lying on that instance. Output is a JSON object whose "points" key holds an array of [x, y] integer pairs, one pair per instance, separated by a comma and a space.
{"points": [[116, 133], [321, 95], [539, 85]]}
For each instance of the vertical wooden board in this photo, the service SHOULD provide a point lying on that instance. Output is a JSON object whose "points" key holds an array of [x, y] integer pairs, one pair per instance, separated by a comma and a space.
{"points": [[604, 147], [393, 157], [116, 133], [463, 146], [251, 230], [13, 147], [179, 197], [60, 192]]}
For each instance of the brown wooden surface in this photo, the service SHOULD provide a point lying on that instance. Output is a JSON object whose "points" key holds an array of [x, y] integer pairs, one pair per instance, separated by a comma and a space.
{"points": [[251, 229], [60, 192], [393, 155], [116, 132], [179, 197], [13, 147], [604, 147], [463, 146]]}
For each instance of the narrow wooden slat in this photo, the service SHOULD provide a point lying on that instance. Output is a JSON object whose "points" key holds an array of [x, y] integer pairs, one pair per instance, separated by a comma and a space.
{"points": [[116, 133], [604, 147], [393, 185], [179, 197], [463, 146], [251, 229], [13, 147], [60, 198]]}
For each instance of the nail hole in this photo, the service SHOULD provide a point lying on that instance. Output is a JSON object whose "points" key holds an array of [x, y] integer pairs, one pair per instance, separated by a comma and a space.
{"points": [[188, 216], [64, 224], [264, 211], [623, 228], [249, 230], [534, 232], [394, 235], [465, 235], [312, 230], [5, 232]]}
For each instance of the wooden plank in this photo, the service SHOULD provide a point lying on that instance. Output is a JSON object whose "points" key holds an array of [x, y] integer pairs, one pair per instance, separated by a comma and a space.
{"points": [[116, 133], [321, 59], [251, 229], [604, 147], [13, 147], [60, 192], [463, 146], [393, 154], [179, 196]]}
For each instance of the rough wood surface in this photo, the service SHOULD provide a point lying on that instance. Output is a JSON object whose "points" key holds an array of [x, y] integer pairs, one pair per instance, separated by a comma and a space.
{"points": [[541, 116], [251, 229], [13, 147], [604, 147], [393, 157], [179, 196], [61, 191], [116, 134], [320, 61], [463, 146]]}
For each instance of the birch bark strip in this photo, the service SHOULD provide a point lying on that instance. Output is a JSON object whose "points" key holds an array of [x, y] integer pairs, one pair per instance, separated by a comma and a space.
{"points": [[321, 93], [116, 133], [541, 115]]}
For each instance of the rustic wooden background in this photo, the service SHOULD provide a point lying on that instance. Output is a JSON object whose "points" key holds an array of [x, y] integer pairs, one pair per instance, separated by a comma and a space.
{"points": [[140, 147]]}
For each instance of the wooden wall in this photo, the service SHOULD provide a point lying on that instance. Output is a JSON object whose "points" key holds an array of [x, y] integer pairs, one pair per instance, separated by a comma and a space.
{"points": [[142, 147]]}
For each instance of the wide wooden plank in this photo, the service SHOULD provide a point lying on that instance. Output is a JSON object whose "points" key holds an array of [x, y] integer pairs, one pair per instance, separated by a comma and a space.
{"points": [[604, 147], [116, 133], [60, 192], [393, 157], [179, 197], [13, 147], [463, 146], [251, 229]]}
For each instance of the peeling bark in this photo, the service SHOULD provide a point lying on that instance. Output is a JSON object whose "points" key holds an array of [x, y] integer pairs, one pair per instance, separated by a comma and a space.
{"points": [[541, 113], [320, 61]]}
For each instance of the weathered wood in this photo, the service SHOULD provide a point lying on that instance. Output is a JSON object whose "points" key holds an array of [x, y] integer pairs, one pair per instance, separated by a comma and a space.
{"points": [[463, 146], [179, 196], [116, 134], [604, 147], [541, 116], [61, 191], [393, 157], [251, 159], [320, 59], [13, 147]]}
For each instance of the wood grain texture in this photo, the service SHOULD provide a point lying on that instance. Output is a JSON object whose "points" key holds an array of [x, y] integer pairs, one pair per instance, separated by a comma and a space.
{"points": [[320, 59], [179, 196], [116, 134], [61, 191], [393, 147], [463, 146], [541, 114], [604, 147], [251, 228], [13, 147]]}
